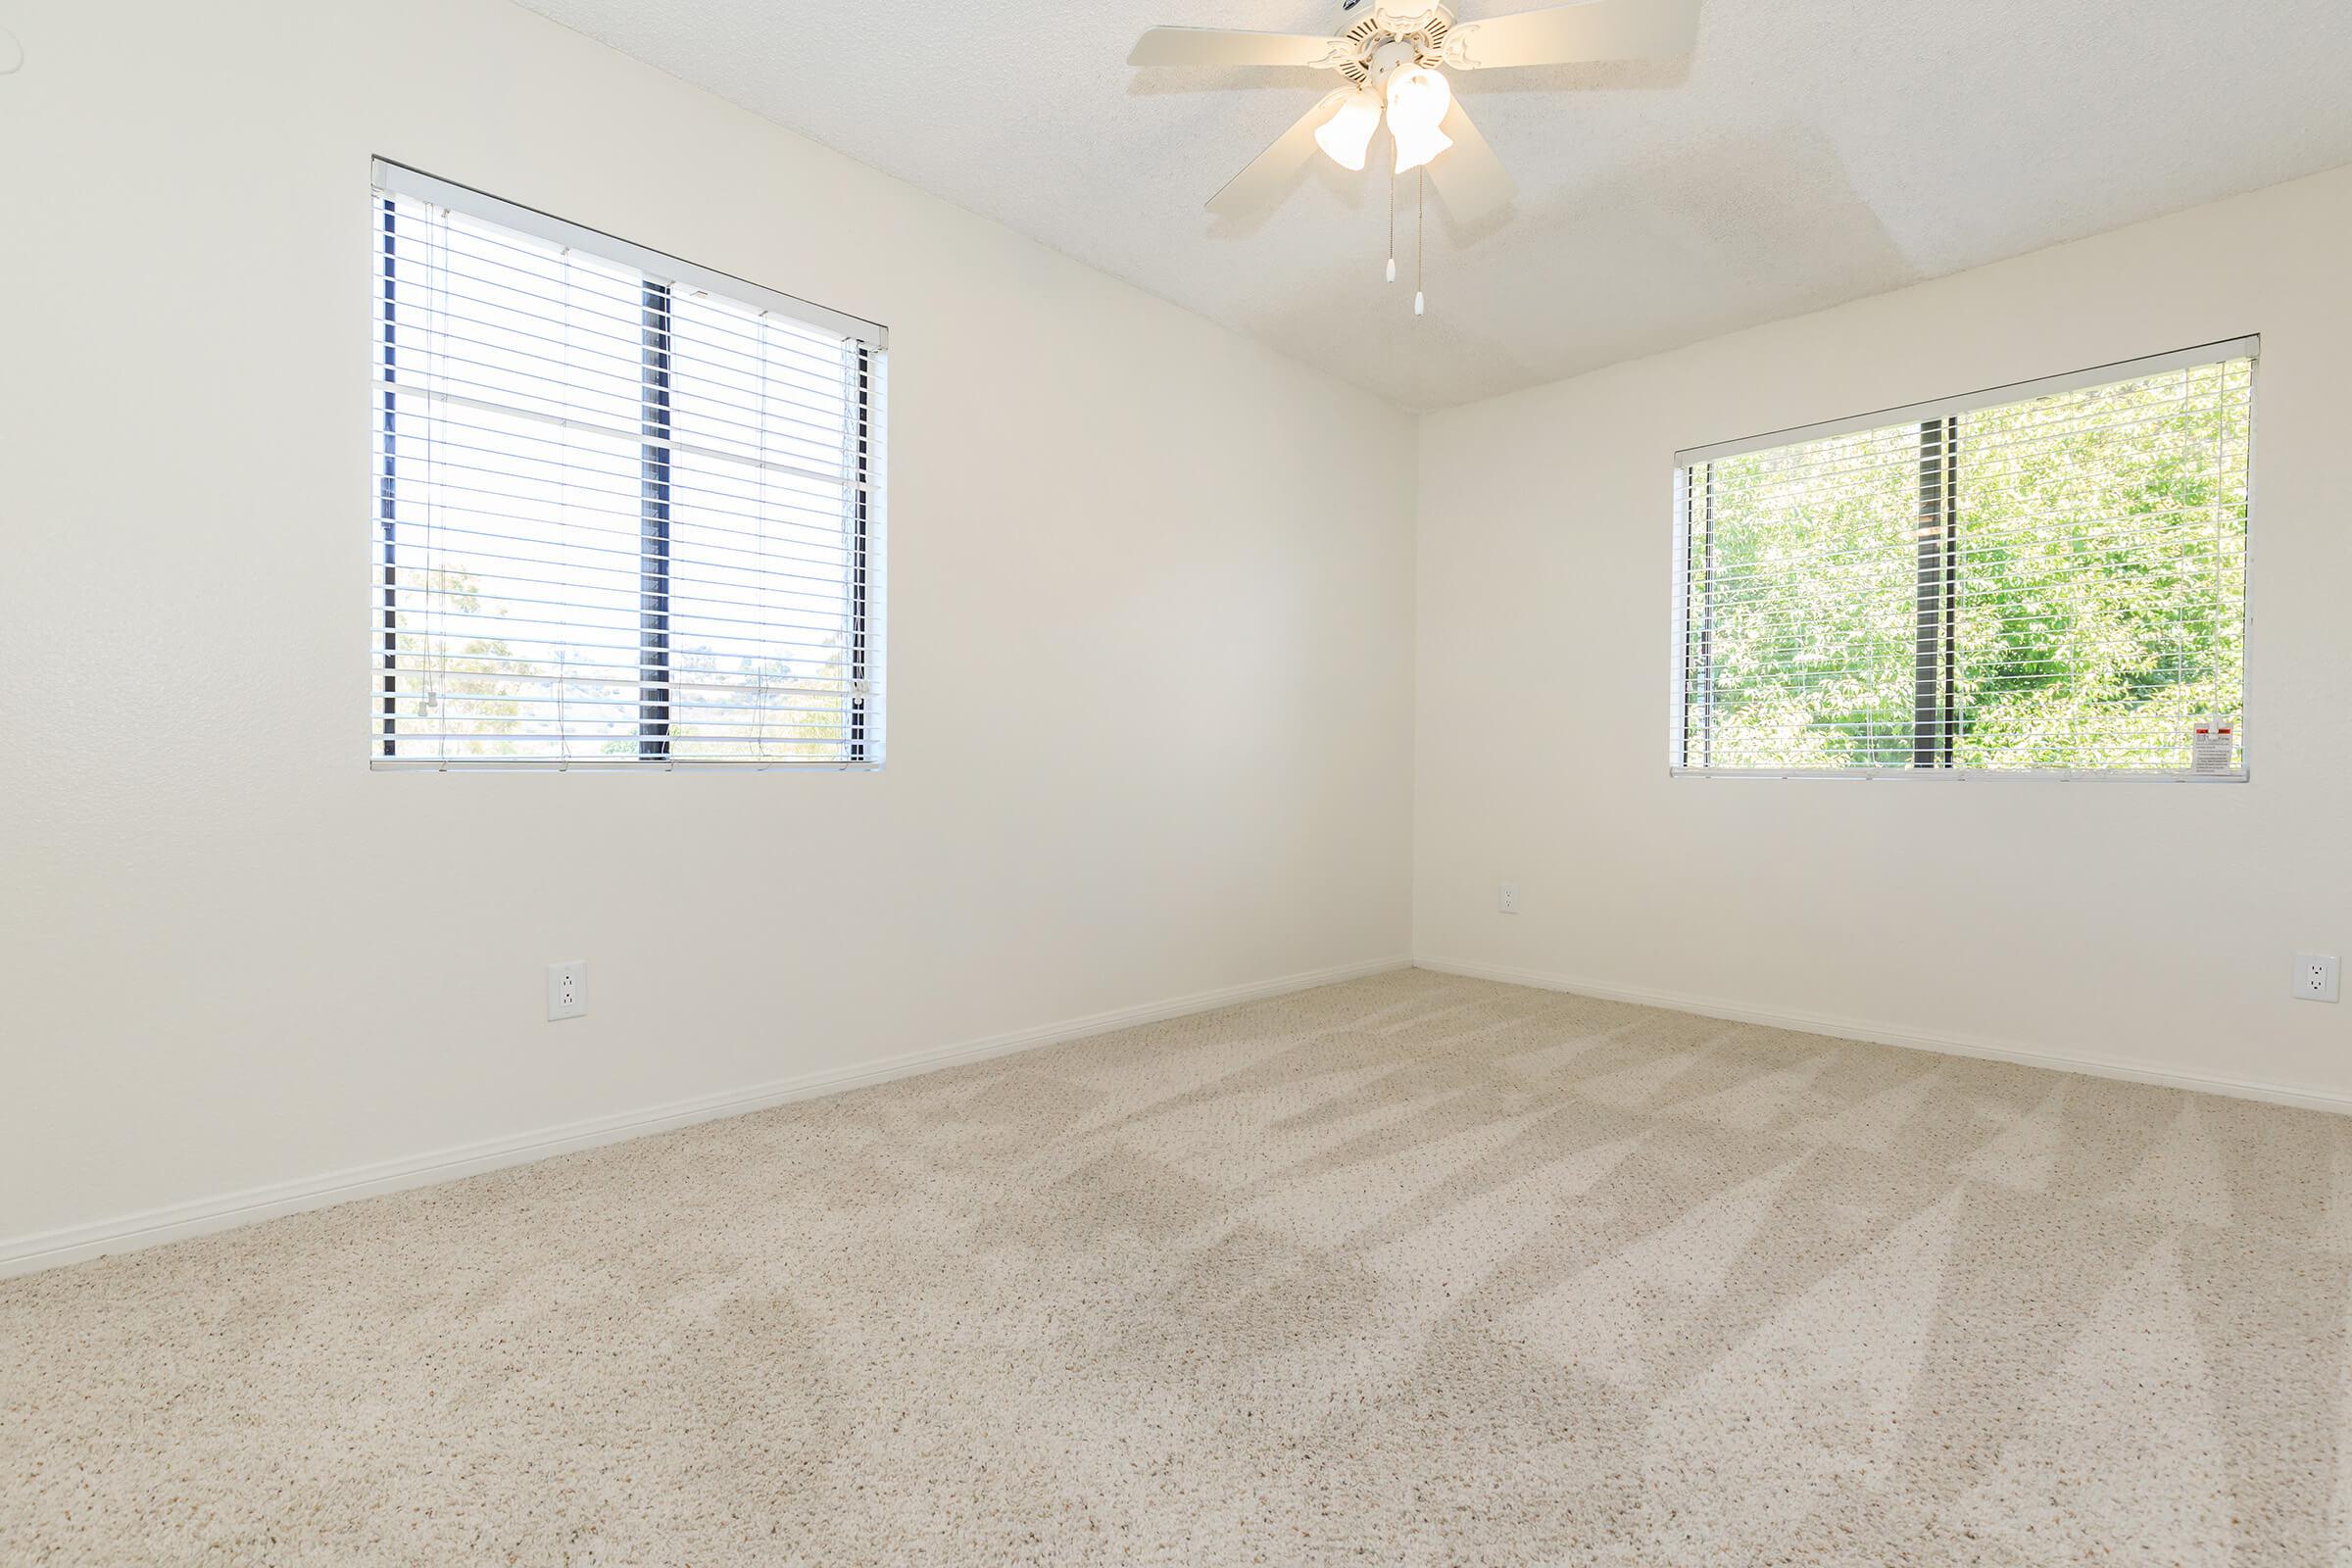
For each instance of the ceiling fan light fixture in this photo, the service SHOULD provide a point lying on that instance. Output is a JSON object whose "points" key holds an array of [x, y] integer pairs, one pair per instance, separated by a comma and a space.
{"points": [[1397, 56], [1418, 100], [1346, 136]]}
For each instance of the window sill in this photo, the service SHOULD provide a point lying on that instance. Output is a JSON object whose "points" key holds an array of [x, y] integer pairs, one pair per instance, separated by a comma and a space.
{"points": [[2115, 775], [382, 764]]}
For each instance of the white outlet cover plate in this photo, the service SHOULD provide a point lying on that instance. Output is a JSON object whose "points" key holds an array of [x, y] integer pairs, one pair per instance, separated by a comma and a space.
{"points": [[568, 989], [1506, 897], [2315, 976]]}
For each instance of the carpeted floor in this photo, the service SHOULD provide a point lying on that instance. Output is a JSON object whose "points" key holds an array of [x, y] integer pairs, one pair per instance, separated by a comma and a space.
{"points": [[1410, 1270]]}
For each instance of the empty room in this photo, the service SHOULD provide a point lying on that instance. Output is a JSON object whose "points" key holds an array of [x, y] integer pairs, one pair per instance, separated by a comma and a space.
{"points": [[1288, 782]]}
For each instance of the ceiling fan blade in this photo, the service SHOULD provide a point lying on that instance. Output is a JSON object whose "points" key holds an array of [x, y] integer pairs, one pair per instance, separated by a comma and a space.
{"points": [[1468, 175], [1254, 187], [1567, 35], [1220, 46]]}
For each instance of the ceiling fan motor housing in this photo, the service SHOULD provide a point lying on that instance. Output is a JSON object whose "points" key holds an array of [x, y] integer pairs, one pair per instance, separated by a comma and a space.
{"points": [[1394, 37]]}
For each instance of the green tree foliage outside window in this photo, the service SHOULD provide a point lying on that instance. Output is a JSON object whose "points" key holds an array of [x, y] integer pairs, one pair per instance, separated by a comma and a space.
{"points": [[2057, 583]]}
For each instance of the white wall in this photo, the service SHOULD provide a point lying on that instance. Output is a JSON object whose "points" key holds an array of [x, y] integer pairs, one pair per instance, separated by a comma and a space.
{"points": [[2150, 926], [1151, 732]]}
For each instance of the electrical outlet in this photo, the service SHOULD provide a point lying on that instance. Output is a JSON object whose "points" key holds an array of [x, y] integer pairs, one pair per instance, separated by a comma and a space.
{"points": [[2314, 976], [568, 989], [1506, 897]]}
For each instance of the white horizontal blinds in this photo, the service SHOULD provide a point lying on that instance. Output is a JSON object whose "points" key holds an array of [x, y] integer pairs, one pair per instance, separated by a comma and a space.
{"points": [[2101, 577], [2052, 582], [621, 520], [1799, 645]]}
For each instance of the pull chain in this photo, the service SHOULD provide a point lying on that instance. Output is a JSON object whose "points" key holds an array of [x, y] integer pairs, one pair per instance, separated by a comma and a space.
{"points": [[1420, 221], [1391, 162]]}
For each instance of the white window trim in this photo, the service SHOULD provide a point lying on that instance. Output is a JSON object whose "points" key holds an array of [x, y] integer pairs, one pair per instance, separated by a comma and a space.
{"points": [[2248, 347]]}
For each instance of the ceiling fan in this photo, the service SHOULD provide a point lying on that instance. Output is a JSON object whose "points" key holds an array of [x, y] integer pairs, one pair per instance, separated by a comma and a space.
{"points": [[1393, 62]]}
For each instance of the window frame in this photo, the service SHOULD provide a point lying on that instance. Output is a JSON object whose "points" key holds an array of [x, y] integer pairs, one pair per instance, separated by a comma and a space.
{"points": [[1948, 409], [661, 276]]}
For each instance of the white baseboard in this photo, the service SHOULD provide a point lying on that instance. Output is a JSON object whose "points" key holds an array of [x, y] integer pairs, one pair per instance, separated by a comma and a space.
{"points": [[1885, 1034], [23, 1255]]}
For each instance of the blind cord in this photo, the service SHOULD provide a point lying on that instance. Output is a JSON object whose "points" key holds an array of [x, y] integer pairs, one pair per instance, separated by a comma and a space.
{"points": [[1420, 223]]}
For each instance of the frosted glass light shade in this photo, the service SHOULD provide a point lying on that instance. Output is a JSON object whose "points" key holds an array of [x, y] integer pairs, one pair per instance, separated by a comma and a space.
{"points": [[1418, 100], [1348, 134]]}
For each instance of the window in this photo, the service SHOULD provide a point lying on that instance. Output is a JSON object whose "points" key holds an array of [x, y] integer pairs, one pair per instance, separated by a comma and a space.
{"points": [[627, 513], [2050, 578]]}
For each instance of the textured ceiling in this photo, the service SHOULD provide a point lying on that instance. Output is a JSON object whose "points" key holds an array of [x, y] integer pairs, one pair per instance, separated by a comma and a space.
{"points": [[1810, 151]]}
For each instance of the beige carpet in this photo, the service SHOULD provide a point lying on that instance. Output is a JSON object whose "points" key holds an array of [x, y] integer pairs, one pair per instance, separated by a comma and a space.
{"points": [[1410, 1270]]}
